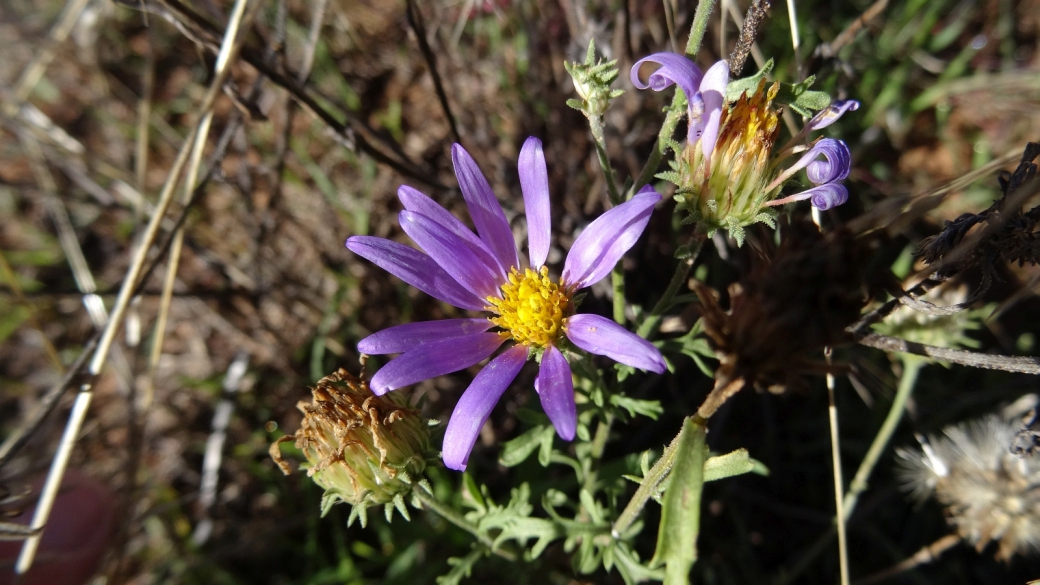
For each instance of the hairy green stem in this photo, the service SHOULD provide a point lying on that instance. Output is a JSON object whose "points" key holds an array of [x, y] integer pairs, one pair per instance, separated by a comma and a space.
{"points": [[596, 126], [599, 444], [911, 368], [700, 25], [671, 120], [647, 488], [653, 319], [455, 518], [617, 281]]}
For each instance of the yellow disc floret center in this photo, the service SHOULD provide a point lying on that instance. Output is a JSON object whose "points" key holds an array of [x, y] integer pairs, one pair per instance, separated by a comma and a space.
{"points": [[532, 307]]}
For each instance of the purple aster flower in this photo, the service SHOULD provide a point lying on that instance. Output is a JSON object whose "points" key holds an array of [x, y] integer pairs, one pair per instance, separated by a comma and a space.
{"points": [[732, 179], [482, 271]]}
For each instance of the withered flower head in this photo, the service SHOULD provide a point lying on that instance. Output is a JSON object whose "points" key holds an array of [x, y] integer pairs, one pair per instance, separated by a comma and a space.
{"points": [[990, 494], [1007, 234], [799, 302], [361, 448]]}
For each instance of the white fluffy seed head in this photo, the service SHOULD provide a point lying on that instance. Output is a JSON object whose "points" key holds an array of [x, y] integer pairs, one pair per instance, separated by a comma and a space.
{"points": [[989, 493]]}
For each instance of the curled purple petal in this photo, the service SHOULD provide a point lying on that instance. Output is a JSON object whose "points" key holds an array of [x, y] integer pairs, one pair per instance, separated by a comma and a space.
{"points": [[712, 91], [828, 195], [605, 240], [475, 406], [556, 390], [414, 200], [602, 336], [831, 113], [835, 166], [484, 209], [534, 183], [435, 358], [402, 338], [675, 69], [415, 268], [451, 253]]}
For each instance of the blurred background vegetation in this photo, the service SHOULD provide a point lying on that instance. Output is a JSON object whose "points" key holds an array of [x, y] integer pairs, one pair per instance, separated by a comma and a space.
{"points": [[947, 87]]}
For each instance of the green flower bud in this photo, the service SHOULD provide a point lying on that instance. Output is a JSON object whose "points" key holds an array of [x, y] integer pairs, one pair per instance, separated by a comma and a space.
{"points": [[592, 81], [361, 448]]}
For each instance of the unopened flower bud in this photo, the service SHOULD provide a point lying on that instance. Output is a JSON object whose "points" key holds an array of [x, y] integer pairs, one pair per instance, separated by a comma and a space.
{"points": [[361, 448], [592, 82]]}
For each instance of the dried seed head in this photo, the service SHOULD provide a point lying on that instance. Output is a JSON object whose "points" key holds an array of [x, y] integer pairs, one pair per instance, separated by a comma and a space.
{"points": [[361, 448], [799, 302], [990, 494]]}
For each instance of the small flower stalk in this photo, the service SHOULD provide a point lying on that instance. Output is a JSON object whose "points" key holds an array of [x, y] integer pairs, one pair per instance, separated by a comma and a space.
{"points": [[727, 174], [363, 449], [592, 80], [990, 493]]}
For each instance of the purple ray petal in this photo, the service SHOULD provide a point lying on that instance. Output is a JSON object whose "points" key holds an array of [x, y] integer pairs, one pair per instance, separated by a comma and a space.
{"points": [[451, 253], [475, 406], [831, 113], [605, 240], [823, 196], [713, 91], [534, 182], [414, 200], [675, 69], [406, 337], [484, 209], [602, 336], [835, 166], [433, 359], [556, 389], [415, 268], [827, 196]]}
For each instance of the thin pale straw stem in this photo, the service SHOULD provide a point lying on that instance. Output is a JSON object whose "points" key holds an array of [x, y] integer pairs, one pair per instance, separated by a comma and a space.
{"points": [[927, 554], [723, 10], [70, 246], [839, 484], [79, 409], [792, 15]]}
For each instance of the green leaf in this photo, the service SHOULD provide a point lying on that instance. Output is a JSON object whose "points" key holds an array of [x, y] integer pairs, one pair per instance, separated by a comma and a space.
{"points": [[545, 449], [473, 492], [460, 568], [631, 569], [516, 451], [801, 99], [681, 508], [634, 406], [797, 96], [737, 87], [721, 466], [524, 529]]}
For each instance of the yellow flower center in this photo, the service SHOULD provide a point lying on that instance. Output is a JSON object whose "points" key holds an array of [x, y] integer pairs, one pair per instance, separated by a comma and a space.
{"points": [[532, 307]]}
